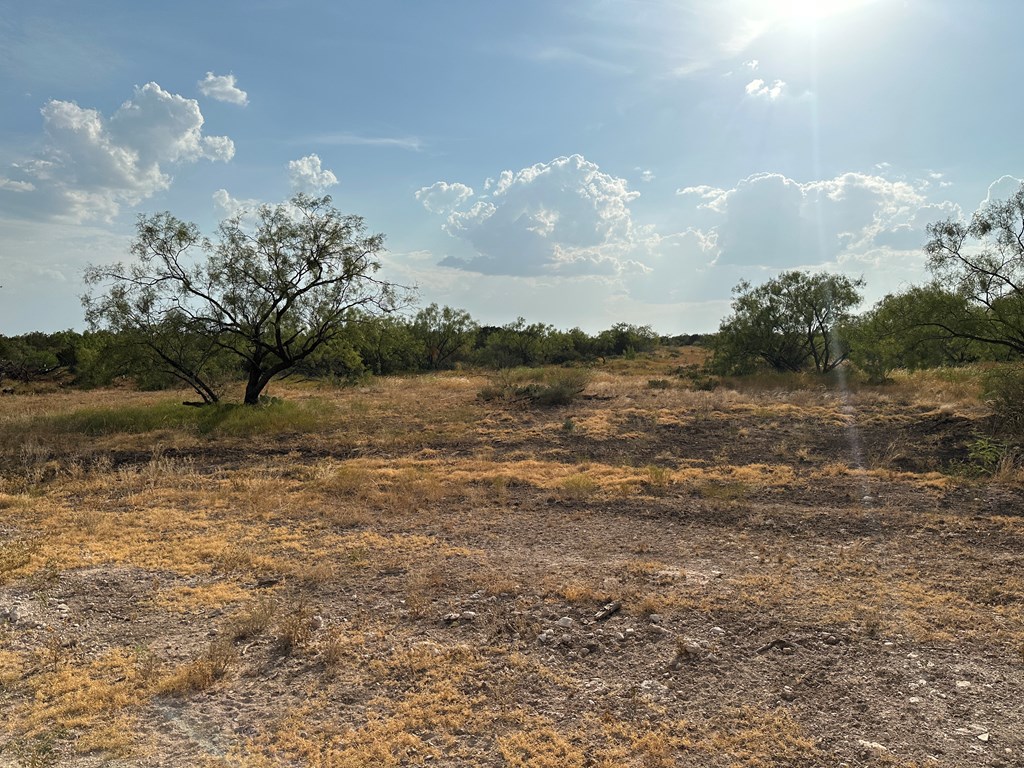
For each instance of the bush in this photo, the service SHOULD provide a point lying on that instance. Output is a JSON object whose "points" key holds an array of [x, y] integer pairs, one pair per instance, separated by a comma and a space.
{"points": [[543, 387], [1003, 392]]}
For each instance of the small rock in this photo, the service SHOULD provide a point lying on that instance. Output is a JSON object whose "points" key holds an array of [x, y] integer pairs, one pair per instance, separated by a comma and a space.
{"points": [[543, 638], [983, 737], [717, 631], [914, 700], [690, 648], [872, 746], [468, 615], [607, 610], [448, 618], [868, 499], [565, 639], [565, 622], [655, 618], [788, 694], [831, 640], [963, 684], [629, 631]]}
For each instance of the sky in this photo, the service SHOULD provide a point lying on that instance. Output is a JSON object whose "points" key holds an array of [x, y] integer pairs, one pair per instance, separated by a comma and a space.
{"points": [[574, 163]]}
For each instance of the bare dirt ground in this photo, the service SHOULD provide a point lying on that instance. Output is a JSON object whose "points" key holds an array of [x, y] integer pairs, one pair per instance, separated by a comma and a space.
{"points": [[651, 576]]}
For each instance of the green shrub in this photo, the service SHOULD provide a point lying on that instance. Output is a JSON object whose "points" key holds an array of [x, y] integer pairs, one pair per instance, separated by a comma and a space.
{"points": [[1003, 392], [537, 386]]}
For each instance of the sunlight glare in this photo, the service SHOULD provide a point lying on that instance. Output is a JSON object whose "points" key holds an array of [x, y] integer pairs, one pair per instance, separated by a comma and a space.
{"points": [[808, 13]]}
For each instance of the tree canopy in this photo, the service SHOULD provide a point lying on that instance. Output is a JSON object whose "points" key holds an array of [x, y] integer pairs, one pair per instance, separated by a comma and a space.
{"points": [[264, 295], [982, 261], [787, 323]]}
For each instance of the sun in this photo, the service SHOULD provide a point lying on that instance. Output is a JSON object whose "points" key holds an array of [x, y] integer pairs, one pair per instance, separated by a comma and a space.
{"points": [[809, 13]]}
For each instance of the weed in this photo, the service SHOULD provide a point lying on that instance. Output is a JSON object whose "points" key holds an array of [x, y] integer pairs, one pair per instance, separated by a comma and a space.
{"points": [[251, 621], [38, 752], [294, 631], [202, 673], [339, 649], [658, 477], [580, 486], [986, 453], [15, 554]]}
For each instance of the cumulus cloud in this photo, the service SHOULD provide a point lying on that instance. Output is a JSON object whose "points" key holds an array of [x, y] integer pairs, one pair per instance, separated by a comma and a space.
{"points": [[92, 165], [760, 88], [773, 221], [565, 217], [306, 175], [16, 186], [227, 206], [704, 192], [223, 88], [1001, 189], [442, 197]]}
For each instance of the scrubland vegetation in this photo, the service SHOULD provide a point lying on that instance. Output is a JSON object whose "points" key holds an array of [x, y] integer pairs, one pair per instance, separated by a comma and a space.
{"points": [[632, 563]]}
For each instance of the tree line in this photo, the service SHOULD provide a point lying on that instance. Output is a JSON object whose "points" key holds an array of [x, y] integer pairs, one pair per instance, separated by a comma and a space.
{"points": [[431, 339], [295, 290], [971, 310]]}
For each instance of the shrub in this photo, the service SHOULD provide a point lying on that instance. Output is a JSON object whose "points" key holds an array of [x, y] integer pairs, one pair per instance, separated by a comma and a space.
{"points": [[543, 387], [1003, 392]]}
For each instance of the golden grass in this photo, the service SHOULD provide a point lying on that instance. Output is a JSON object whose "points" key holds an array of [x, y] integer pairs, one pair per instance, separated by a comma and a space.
{"points": [[333, 553]]}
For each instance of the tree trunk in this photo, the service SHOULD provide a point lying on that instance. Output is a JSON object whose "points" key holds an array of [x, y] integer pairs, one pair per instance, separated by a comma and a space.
{"points": [[254, 386]]}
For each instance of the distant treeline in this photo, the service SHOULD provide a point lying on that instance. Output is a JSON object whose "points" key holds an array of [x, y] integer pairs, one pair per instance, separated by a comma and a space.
{"points": [[435, 338]]}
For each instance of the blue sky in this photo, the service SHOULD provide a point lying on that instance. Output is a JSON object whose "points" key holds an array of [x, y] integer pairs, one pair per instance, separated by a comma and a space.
{"points": [[577, 163]]}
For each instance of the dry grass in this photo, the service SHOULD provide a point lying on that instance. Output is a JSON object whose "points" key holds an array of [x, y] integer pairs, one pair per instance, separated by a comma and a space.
{"points": [[373, 583]]}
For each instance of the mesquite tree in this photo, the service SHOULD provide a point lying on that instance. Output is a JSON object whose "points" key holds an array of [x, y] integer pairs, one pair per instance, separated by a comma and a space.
{"points": [[266, 294], [982, 261]]}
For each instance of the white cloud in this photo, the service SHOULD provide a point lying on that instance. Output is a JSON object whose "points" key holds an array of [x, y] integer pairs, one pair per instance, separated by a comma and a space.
{"points": [[91, 166], [646, 174], [228, 206], [772, 221], [306, 175], [223, 88], [704, 192], [442, 197], [565, 217], [759, 88], [1001, 189], [751, 64], [16, 186]]}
